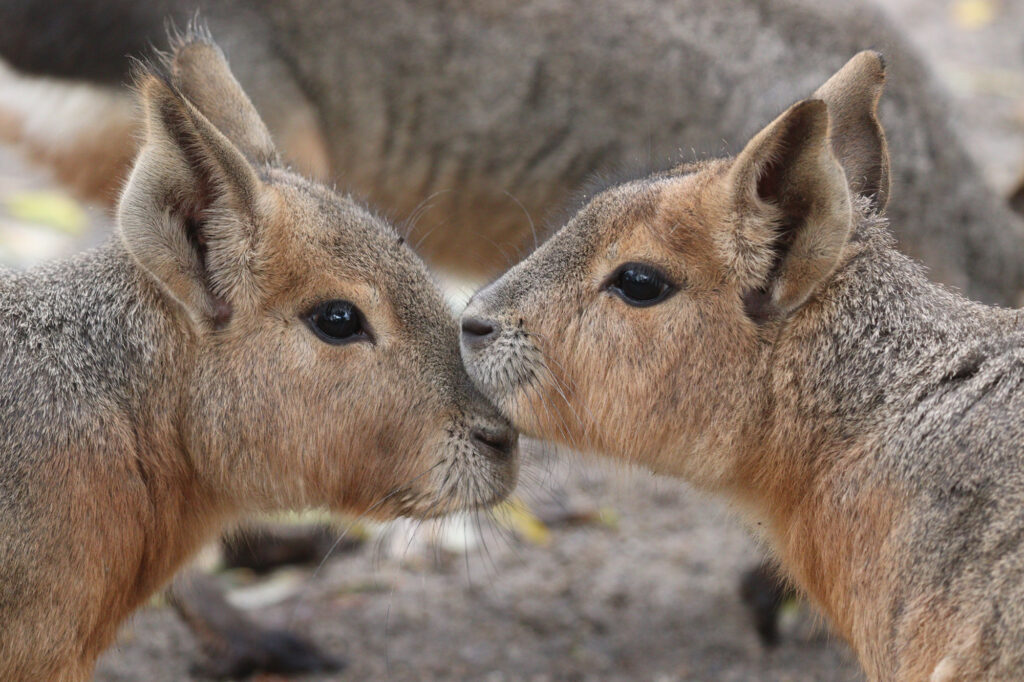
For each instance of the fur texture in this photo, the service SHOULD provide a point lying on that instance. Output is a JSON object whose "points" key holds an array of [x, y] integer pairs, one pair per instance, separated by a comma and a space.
{"points": [[157, 388], [865, 419]]}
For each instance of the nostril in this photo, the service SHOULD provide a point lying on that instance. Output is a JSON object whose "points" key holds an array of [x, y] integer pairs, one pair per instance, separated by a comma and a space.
{"points": [[478, 331], [500, 441]]}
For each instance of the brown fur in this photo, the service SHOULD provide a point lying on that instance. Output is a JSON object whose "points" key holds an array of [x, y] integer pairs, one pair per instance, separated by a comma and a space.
{"points": [[864, 419], [172, 381]]}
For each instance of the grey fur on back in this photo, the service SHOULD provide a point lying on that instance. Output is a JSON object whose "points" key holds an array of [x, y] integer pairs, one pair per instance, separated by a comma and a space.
{"points": [[86, 350], [934, 385], [75, 333]]}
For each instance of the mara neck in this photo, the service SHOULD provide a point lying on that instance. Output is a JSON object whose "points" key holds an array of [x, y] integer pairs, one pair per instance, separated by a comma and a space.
{"points": [[843, 370]]}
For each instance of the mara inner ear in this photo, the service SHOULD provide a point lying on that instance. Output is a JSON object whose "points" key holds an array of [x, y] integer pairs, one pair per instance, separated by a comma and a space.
{"points": [[858, 140], [189, 213], [791, 196], [200, 72]]}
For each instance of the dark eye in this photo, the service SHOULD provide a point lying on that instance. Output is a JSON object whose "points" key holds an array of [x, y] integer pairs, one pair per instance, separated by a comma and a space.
{"points": [[337, 322], [640, 285]]}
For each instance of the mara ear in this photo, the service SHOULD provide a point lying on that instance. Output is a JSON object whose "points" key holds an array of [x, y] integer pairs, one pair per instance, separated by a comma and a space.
{"points": [[200, 72], [858, 140], [794, 212], [190, 213]]}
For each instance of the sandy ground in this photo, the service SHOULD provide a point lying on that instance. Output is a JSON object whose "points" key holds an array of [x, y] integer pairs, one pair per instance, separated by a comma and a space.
{"points": [[649, 596], [647, 591]]}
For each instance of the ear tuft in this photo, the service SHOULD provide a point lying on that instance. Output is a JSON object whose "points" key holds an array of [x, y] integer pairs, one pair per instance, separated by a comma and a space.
{"points": [[858, 139], [198, 69]]}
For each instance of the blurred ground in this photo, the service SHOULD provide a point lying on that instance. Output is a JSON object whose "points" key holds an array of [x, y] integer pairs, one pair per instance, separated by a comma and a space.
{"points": [[647, 593], [644, 588]]}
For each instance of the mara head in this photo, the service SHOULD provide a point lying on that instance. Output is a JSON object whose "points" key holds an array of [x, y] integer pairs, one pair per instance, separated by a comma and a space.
{"points": [[640, 329], [321, 361]]}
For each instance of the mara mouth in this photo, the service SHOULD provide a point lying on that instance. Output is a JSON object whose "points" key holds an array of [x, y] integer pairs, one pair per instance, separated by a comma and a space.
{"points": [[507, 379], [432, 506], [464, 481]]}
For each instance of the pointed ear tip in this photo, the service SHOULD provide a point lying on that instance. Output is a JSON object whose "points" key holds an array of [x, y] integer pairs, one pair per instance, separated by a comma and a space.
{"points": [[196, 45], [191, 54], [196, 33], [880, 58], [160, 101], [871, 63], [815, 104]]}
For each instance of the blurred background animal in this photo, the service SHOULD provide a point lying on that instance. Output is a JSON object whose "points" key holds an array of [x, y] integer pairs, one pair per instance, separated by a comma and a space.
{"points": [[474, 119], [471, 122]]}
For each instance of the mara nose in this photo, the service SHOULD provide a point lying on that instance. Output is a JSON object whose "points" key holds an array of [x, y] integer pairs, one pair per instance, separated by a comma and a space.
{"points": [[478, 332], [496, 441]]}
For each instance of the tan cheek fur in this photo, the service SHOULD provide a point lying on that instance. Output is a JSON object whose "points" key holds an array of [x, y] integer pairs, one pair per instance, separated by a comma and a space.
{"points": [[610, 364], [341, 420]]}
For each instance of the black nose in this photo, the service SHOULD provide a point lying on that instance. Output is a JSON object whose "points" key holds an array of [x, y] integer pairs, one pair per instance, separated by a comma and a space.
{"points": [[477, 332], [496, 441]]}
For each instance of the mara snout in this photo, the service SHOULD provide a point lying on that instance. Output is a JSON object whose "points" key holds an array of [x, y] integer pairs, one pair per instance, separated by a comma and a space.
{"points": [[250, 340], [747, 324]]}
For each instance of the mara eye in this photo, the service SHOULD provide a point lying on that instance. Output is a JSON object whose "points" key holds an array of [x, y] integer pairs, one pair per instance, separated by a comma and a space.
{"points": [[640, 285], [337, 322]]}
